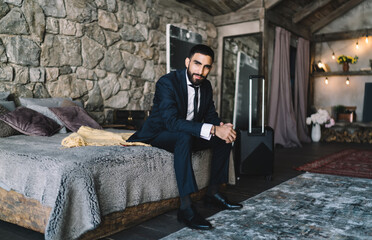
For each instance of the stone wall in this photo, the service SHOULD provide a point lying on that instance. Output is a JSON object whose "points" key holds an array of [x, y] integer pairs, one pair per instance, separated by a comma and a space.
{"points": [[106, 53]]}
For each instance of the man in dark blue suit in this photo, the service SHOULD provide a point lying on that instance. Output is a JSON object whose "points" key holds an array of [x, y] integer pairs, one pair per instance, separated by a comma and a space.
{"points": [[181, 123]]}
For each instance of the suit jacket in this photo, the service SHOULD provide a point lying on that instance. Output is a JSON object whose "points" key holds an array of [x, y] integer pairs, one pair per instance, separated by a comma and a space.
{"points": [[170, 108]]}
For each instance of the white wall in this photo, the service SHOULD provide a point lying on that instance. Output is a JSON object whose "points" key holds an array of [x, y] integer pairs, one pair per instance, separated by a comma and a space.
{"points": [[357, 18], [337, 92]]}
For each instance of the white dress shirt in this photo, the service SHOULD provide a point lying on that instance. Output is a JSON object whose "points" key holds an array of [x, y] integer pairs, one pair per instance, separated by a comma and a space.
{"points": [[205, 132]]}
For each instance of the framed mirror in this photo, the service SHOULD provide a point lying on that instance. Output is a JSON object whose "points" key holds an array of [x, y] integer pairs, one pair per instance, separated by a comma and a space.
{"points": [[241, 58]]}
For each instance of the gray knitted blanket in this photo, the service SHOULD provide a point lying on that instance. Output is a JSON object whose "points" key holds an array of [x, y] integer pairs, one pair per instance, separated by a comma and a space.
{"points": [[83, 184]]}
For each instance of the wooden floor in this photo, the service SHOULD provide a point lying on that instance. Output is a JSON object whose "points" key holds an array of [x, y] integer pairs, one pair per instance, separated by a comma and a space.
{"points": [[286, 159]]}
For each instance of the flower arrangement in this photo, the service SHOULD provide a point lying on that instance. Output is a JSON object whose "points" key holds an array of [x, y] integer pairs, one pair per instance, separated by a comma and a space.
{"points": [[321, 117], [347, 59]]}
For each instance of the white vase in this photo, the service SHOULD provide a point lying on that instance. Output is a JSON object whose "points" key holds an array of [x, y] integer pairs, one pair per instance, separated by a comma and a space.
{"points": [[316, 133]]}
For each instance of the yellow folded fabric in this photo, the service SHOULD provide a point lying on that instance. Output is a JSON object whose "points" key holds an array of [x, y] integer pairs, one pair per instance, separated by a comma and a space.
{"points": [[87, 136]]}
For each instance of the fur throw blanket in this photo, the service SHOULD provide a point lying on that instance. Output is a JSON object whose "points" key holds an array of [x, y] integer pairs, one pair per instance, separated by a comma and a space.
{"points": [[87, 136]]}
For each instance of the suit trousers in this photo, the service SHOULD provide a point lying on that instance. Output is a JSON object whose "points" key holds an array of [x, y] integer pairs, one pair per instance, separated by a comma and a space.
{"points": [[182, 145]]}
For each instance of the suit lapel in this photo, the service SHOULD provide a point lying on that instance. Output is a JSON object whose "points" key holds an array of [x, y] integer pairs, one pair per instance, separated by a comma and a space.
{"points": [[203, 98], [184, 97]]}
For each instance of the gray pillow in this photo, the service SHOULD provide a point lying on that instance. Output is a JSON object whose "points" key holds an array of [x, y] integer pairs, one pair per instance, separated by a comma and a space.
{"points": [[74, 117], [5, 129], [46, 112], [4, 95], [8, 105], [30, 122], [45, 102]]}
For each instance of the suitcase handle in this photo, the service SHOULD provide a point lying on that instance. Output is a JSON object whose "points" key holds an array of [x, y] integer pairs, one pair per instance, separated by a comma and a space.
{"points": [[256, 76], [250, 103]]}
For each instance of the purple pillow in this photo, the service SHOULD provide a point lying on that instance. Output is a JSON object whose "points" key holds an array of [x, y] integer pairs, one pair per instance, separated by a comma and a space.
{"points": [[74, 117], [30, 122]]}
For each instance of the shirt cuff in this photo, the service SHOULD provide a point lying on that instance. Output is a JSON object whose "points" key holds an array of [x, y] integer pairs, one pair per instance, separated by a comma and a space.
{"points": [[205, 132]]}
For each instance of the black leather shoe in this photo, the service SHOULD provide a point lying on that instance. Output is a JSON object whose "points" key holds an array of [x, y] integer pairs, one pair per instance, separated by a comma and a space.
{"points": [[192, 219], [220, 201]]}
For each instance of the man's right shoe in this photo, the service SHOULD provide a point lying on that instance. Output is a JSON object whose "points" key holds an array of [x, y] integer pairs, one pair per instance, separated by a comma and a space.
{"points": [[193, 219], [220, 201]]}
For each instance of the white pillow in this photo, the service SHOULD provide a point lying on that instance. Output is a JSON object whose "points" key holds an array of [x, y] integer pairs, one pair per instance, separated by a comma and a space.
{"points": [[45, 102]]}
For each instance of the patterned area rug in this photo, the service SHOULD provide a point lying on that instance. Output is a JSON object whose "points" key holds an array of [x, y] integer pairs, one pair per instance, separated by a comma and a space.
{"points": [[310, 206], [350, 162]]}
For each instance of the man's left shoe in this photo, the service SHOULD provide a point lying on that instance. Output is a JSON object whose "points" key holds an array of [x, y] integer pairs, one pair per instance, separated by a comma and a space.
{"points": [[220, 201]]}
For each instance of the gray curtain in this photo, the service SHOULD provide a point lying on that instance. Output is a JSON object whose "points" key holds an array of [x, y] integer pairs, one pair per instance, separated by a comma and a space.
{"points": [[301, 86], [281, 115]]}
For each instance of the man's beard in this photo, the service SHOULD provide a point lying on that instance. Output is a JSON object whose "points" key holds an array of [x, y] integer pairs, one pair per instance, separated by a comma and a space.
{"points": [[196, 82]]}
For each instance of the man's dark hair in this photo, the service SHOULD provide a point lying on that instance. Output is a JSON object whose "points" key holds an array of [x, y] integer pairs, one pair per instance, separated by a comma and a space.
{"points": [[203, 49]]}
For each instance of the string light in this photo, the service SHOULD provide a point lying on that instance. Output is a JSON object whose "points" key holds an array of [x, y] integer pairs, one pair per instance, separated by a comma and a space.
{"points": [[357, 45], [326, 81], [333, 52], [366, 31], [347, 81]]}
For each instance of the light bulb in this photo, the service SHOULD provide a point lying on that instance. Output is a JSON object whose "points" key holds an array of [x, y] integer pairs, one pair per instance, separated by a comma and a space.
{"points": [[326, 81], [357, 45], [333, 56], [347, 81], [320, 64], [367, 38]]}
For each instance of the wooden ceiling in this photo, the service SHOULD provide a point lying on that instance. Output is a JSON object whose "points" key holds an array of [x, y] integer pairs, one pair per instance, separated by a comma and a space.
{"points": [[304, 17]]}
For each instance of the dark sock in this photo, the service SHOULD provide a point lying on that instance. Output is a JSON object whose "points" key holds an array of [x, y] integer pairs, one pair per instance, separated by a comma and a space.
{"points": [[185, 202], [212, 189]]}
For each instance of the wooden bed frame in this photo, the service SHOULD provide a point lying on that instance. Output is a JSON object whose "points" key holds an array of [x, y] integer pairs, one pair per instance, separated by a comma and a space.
{"points": [[29, 213]]}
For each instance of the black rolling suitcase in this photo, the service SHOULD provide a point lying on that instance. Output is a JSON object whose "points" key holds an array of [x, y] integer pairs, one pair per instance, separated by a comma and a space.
{"points": [[254, 147]]}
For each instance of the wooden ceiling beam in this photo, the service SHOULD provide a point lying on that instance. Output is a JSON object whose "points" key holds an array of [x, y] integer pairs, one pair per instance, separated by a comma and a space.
{"points": [[239, 17], [309, 9], [271, 3], [185, 9], [335, 14], [279, 20], [336, 36], [223, 6], [238, 4], [211, 8], [252, 4]]}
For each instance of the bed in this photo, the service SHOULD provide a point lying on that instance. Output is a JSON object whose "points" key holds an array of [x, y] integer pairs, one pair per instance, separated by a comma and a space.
{"points": [[86, 192]]}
